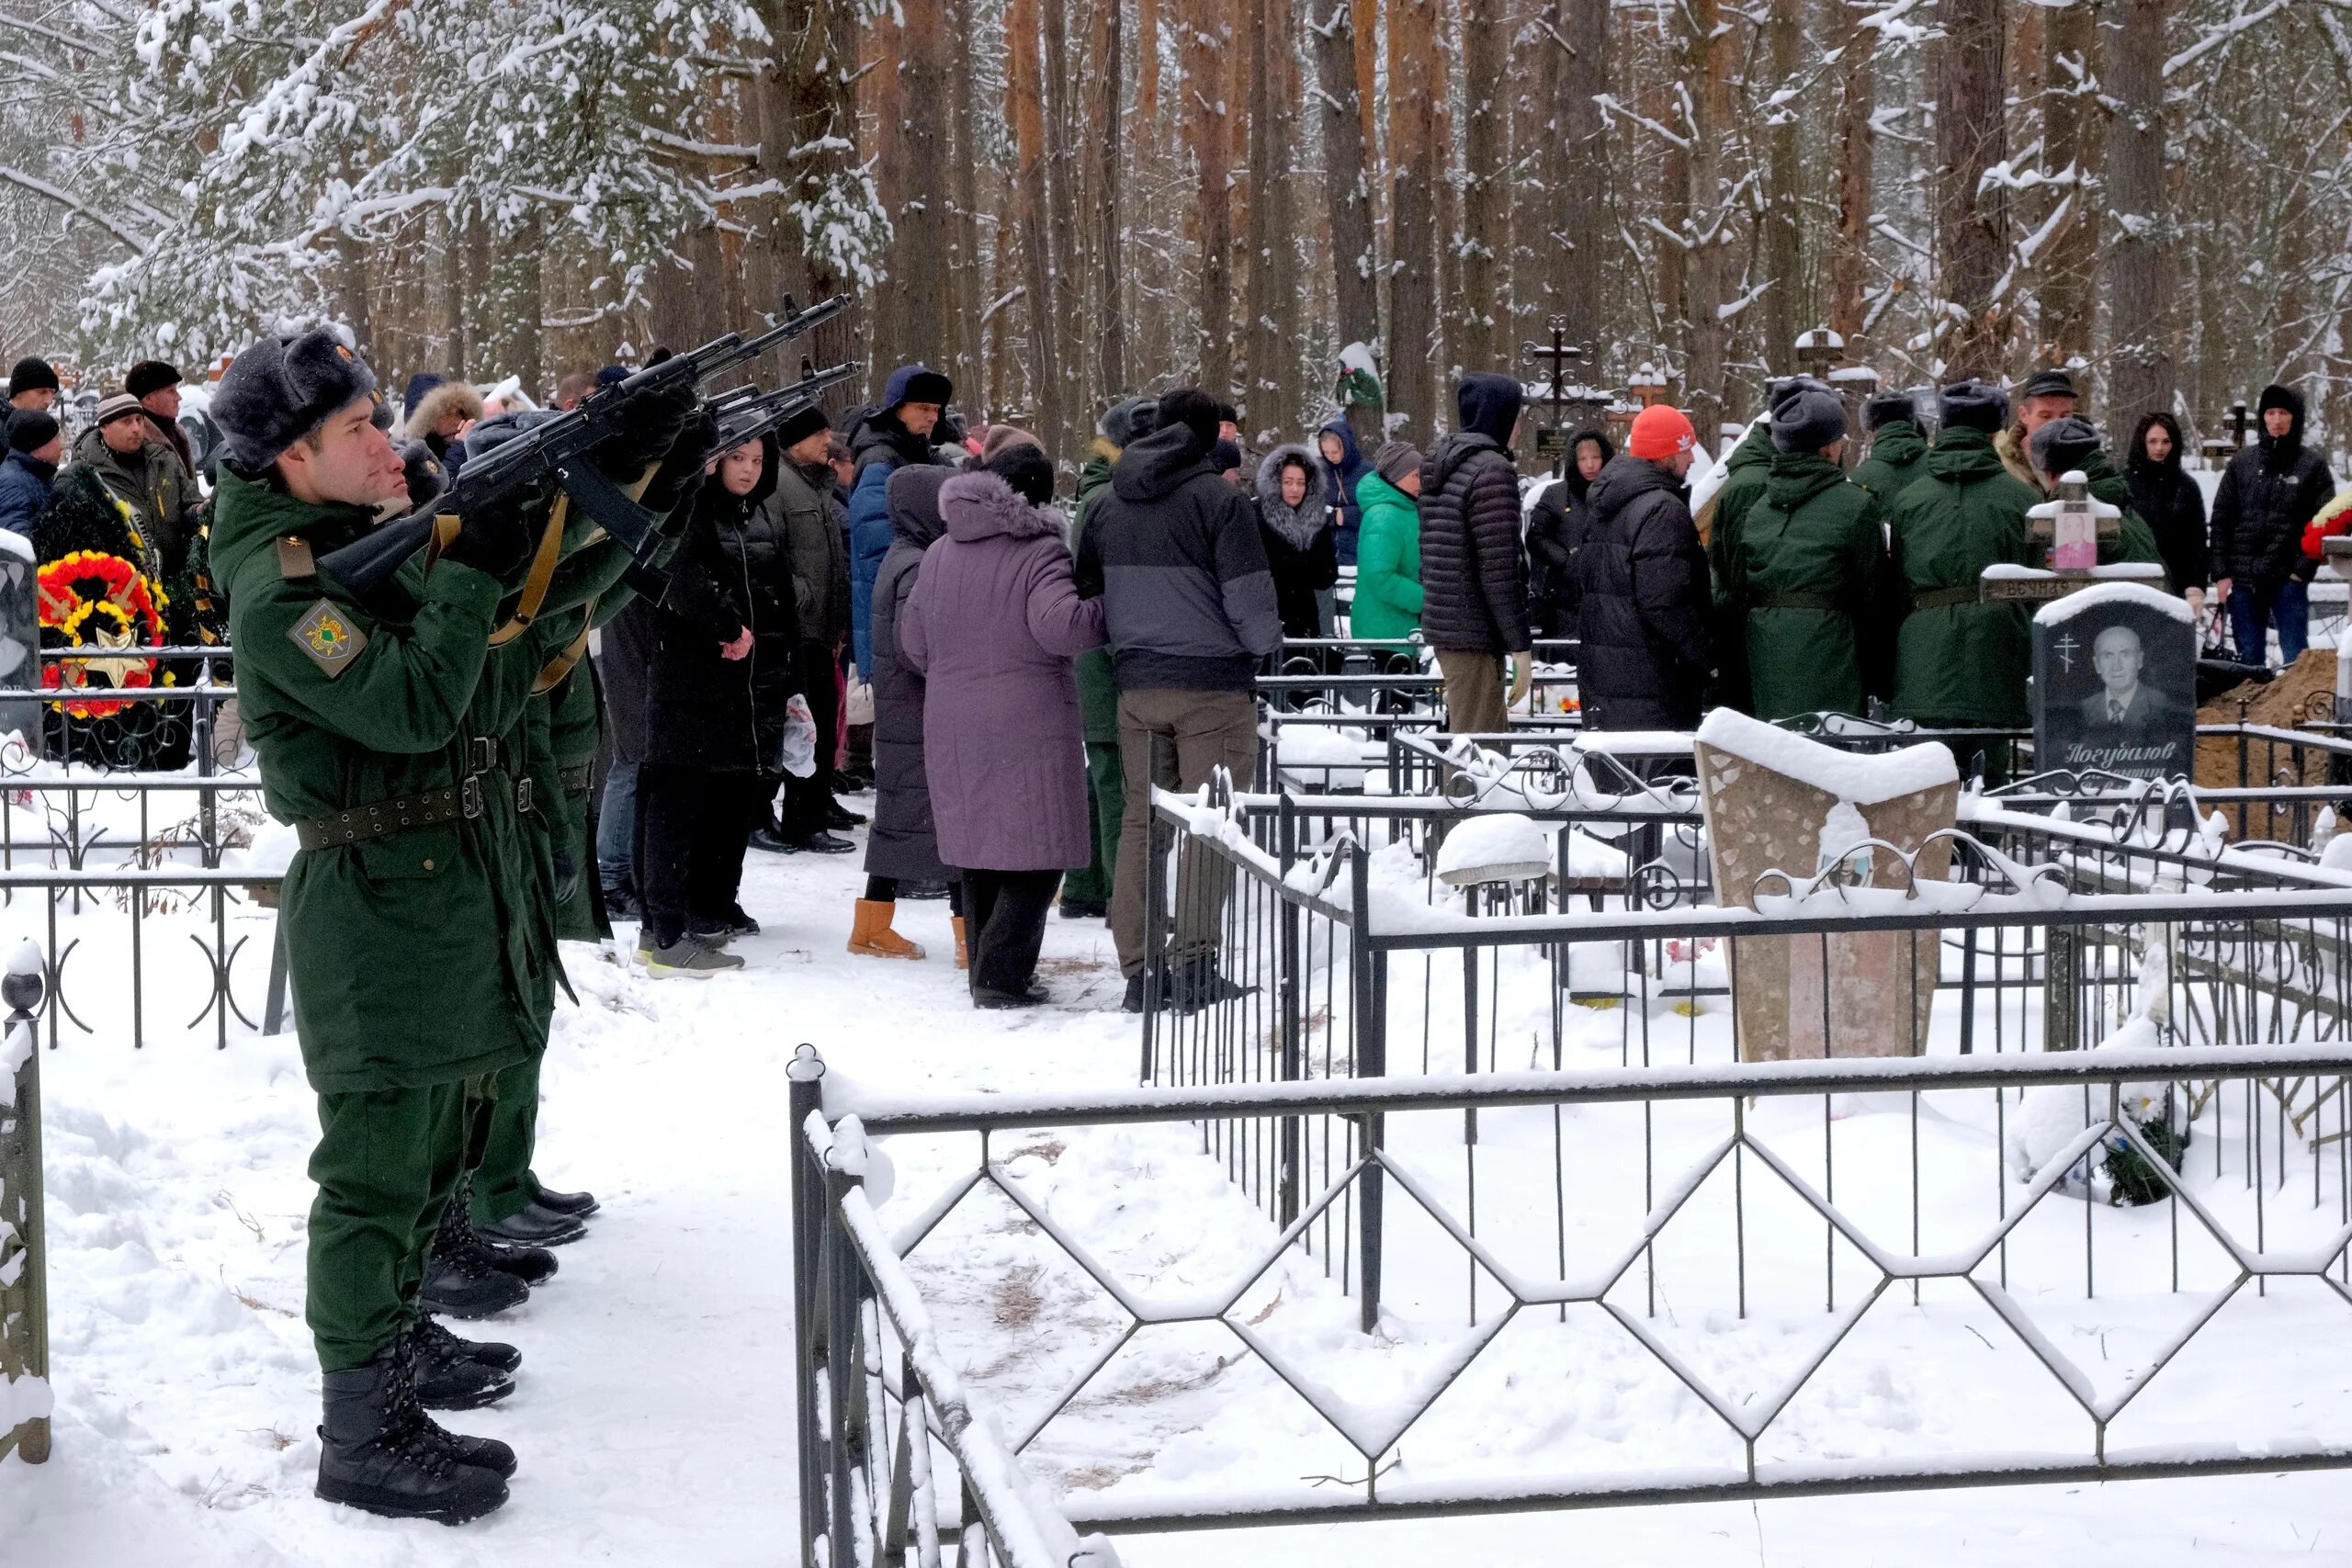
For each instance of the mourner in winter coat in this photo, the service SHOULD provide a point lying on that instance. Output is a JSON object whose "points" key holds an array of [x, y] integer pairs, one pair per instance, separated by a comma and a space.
{"points": [[898, 433], [1801, 576], [1897, 449], [1086, 894], [814, 523], [2168, 501], [1187, 602], [27, 477], [903, 845], [722, 671], [1343, 478], [2269, 494], [1645, 657], [993, 624], [2045, 396], [141, 472], [1961, 662], [1556, 531], [1298, 537], [1473, 574], [1388, 554], [440, 418]]}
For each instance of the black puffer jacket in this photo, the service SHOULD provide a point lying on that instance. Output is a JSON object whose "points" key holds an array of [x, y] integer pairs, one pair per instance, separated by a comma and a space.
{"points": [[904, 842], [2268, 494], [733, 571], [2168, 501], [1644, 663], [1556, 531], [1473, 575]]}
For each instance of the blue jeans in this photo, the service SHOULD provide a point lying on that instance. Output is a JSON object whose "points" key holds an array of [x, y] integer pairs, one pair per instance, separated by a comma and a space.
{"points": [[2286, 607], [617, 827]]}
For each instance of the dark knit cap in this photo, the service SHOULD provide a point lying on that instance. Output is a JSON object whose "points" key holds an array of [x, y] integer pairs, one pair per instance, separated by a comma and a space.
{"points": [[1227, 414], [1193, 408], [1396, 459], [1488, 404], [1225, 456], [31, 374], [803, 424], [916, 384], [2048, 384], [29, 430], [1806, 417], [282, 389], [1025, 465], [1972, 405], [2063, 444], [611, 376], [419, 384], [1889, 408], [426, 477], [150, 375], [1127, 421]]}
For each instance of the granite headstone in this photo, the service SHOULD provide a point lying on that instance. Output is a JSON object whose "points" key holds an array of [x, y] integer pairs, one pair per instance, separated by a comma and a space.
{"points": [[2115, 682]]}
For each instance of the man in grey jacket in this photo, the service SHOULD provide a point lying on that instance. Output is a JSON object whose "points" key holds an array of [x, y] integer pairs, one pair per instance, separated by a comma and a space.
{"points": [[1174, 552]]}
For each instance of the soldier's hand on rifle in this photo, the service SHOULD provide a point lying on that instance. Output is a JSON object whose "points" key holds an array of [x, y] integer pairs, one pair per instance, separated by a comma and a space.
{"points": [[680, 475], [1522, 678], [493, 536], [653, 421]]}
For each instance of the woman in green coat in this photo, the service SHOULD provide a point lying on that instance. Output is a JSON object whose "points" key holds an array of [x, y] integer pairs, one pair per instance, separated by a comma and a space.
{"points": [[1388, 550]]}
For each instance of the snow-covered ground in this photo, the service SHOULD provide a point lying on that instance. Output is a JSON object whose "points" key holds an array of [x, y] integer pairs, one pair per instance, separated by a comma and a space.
{"points": [[654, 1421]]}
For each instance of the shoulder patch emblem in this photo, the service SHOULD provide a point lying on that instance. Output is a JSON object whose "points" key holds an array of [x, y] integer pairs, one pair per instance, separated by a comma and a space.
{"points": [[326, 634]]}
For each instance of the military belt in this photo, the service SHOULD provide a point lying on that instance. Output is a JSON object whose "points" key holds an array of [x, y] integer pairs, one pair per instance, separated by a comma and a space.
{"points": [[1796, 601], [576, 780], [1942, 598], [461, 801]]}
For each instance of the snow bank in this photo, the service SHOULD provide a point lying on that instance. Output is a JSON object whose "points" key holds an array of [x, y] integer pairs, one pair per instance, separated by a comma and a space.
{"points": [[1317, 757], [2061, 610], [270, 854], [1864, 781]]}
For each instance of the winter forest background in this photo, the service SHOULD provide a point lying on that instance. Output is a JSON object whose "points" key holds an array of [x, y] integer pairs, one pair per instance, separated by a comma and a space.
{"points": [[1057, 200]]}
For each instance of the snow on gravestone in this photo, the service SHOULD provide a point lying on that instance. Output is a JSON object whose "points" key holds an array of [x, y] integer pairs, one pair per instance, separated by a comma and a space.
{"points": [[2115, 682], [1777, 802], [19, 636]]}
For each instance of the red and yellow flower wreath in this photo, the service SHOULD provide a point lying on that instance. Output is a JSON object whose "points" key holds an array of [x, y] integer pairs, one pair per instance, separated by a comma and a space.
{"points": [[91, 599]]}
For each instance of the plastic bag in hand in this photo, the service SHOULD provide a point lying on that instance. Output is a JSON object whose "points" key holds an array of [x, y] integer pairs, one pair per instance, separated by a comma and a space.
{"points": [[798, 755]]}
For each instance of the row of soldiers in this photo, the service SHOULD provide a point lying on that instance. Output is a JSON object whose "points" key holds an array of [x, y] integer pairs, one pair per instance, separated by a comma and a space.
{"points": [[431, 753], [1831, 590]]}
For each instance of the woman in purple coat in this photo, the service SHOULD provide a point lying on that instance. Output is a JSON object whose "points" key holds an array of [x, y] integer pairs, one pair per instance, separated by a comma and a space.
{"points": [[993, 624]]}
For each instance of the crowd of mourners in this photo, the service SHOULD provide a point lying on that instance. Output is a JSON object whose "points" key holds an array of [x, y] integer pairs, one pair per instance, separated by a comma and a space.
{"points": [[892, 604]]}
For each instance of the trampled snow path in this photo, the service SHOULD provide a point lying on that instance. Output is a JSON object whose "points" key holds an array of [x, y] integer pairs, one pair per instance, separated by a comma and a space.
{"points": [[654, 1420]]}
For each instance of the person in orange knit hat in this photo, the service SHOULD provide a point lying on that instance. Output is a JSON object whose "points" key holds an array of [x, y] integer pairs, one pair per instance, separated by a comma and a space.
{"points": [[1647, 655]]}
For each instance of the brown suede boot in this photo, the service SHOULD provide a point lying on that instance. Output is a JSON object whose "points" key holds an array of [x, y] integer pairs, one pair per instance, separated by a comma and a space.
{"points": [[963, 949], [872, 935]]}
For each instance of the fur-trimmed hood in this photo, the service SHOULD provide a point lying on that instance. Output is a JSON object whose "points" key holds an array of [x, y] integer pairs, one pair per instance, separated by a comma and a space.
{"points": [[978, 505], [450, 397], [1298, 524]]}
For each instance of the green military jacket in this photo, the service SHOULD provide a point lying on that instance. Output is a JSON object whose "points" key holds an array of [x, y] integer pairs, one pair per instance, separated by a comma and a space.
{"points": [[1801, 577], [1098, 690], [426, 955], [1897, 452], [1746, 470], [1959, 662]]}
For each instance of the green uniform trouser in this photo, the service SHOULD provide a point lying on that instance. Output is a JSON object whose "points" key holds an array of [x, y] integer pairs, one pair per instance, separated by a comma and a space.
{"points": [[503, 1184], [387, 1161], [1106, 789]]}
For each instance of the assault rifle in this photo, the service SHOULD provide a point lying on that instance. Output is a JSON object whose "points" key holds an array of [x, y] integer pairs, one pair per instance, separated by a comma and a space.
{"points": [[556, 449], [746, 414]]}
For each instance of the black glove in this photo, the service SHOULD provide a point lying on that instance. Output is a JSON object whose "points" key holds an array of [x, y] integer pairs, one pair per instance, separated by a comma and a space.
{"points": [[495, 537], [680, 476], [648, 430]]}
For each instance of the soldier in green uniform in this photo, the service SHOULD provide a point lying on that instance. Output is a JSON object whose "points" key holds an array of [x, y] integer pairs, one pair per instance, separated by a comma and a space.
{"points": [[2071, 444], [1897, 449], [415, 913]]}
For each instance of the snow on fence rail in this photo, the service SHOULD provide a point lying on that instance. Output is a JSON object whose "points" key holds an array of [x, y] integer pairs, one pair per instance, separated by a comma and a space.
{"points": [[1677, 1265]]}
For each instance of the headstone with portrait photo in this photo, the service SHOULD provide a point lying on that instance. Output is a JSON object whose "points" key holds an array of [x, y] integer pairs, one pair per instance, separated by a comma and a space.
{"points": [[2115, 682]]}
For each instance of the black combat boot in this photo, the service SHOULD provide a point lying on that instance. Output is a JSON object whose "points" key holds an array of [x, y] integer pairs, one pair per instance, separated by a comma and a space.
{"points": [[380, 1453], [462, 1279], [458, 1374], [579, 1206], [531, 1225]]}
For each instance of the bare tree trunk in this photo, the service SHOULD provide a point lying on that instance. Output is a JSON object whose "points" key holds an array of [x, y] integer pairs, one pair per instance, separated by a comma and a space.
{"points": [[1485, 323], [1069, 274], [808, 121], [1970, 137], [1581, 199], [1414, 173], [1708, 44], [1446, 343], [1668, 309], [1857, 152], [1109, 274], [1347, 190], [1207, 37], [922, 253], [1026, 110], [1260, 30], [2141, 325], [2068, 255], [969, 284], [1782, 249]]}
